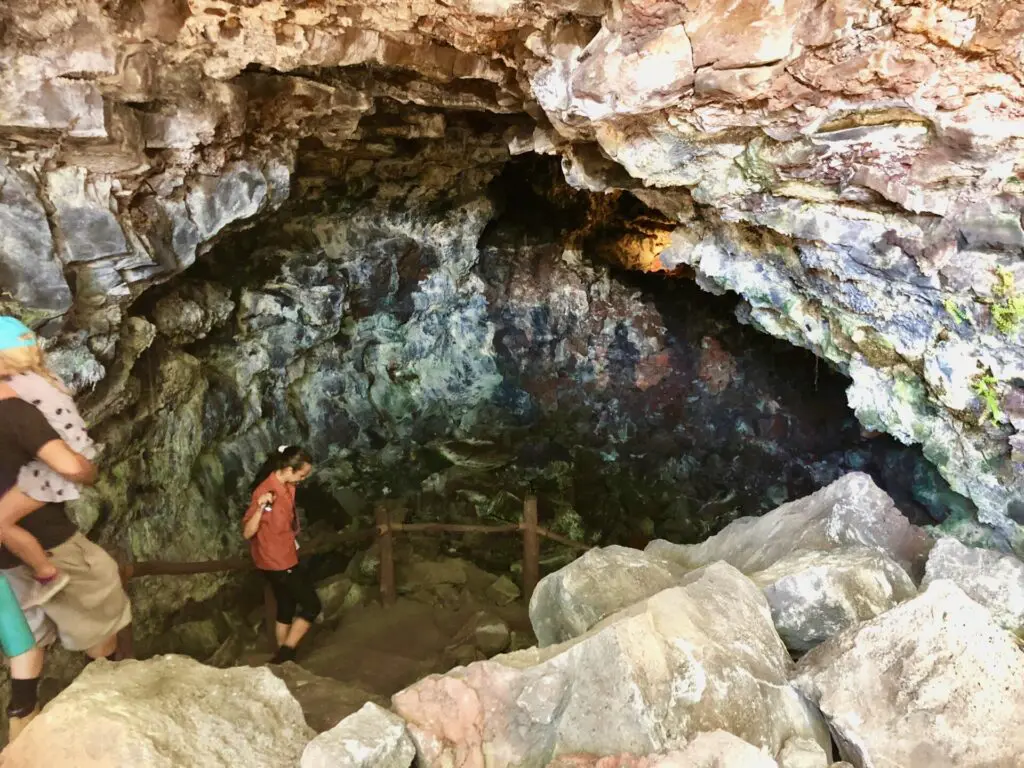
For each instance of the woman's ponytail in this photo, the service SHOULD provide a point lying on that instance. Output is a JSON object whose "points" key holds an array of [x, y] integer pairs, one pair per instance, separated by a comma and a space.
{"points": [[285, 457]]}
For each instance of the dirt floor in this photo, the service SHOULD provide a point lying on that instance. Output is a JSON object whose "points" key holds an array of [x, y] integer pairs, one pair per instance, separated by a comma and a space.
{"points": [[372, 651]]}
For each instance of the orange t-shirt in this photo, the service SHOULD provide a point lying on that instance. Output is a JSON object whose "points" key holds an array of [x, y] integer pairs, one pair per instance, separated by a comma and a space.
{"points": [[273, 547]]}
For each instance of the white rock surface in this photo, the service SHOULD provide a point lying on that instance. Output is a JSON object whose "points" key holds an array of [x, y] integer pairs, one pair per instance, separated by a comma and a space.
{"points": [[933, 683], [602, 582], [802, 753], [850, 511], [166, 712], [717, 749], [815, 595], [369, 738], [698, 657], [991, 578]]}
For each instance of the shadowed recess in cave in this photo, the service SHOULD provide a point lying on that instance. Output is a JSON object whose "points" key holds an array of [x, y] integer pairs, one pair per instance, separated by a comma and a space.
{"points": [[459, 347]]}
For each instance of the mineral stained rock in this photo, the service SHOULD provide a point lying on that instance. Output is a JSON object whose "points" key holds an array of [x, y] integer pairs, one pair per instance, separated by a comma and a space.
{"points": [[851, 170]]}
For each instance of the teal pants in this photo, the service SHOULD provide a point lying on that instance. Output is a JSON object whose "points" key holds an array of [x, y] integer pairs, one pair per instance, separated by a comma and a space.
{"points": [[15, 635]]}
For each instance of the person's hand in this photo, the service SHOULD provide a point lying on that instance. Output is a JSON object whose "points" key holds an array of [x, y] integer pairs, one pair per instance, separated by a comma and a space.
{"points": [[266, 498]]}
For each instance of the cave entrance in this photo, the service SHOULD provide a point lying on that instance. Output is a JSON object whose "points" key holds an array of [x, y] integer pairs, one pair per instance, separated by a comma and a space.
{"points": [[457, 344]]}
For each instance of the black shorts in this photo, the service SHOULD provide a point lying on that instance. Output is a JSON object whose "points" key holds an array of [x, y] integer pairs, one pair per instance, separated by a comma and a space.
{"points": [[296, 597]]}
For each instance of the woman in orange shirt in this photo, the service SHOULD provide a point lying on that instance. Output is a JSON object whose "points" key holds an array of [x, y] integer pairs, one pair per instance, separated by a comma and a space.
{"points": [[270, 525]]}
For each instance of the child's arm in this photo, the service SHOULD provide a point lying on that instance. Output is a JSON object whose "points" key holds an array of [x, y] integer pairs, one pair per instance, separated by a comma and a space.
{"points": [[64, 461]]}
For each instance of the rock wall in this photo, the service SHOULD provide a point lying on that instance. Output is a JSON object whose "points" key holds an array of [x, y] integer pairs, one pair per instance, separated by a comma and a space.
{"points": [[454, 346], [851, 169]]}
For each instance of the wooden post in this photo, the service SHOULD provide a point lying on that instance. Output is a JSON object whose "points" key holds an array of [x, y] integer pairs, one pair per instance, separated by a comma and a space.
{"points": [[270, 615], [125, 645], [531, 547], [387, 555]]}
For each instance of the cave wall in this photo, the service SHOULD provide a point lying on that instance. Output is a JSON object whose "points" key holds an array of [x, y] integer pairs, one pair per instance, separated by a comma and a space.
{"points": [[456, 342], [850, 168]]}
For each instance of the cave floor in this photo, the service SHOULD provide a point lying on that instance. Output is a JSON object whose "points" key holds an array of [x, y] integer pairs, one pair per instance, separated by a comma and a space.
{"points": [[374, 651]]}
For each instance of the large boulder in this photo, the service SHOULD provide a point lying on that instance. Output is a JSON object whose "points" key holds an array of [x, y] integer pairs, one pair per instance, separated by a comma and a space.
{"points": [[991, 578], [370, 738], [602, 582], [167, 712], [815, 595], [851, 511], [934, 682], [718, 749], [702, 656]]}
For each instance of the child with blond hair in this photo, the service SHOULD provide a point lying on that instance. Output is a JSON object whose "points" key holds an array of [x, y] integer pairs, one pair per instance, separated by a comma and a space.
{"points": [[23, 367]]}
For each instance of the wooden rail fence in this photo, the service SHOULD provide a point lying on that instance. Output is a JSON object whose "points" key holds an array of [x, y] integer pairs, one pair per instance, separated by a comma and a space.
{"points": [[385, 530]]}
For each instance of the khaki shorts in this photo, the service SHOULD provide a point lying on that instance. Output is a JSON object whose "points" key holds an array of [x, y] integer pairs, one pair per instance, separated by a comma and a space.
{"points": [[91, 608]]}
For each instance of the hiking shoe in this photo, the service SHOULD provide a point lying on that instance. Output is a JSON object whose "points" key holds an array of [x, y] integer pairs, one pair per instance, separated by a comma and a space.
{"points": [[44, 589], [284, 653]]}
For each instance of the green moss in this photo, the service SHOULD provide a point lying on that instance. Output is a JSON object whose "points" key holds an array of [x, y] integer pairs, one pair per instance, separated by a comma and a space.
{"points": [[569, 523], [954, 311], [1009, 311], [860, 119], [985, 385], [30, 316], [755, 167], [877, 349]]}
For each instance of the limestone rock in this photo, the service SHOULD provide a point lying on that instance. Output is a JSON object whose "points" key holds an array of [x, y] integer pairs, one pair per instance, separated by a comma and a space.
{"points": [[717, 749], [334, 595], [802, 753], [850, 511], [192, 312], [370, 738], [168, 712], [83, 212], [503, 591], [30, 271], [948, 696], [639, 682], [487, 632], [994, 579], [602, 582], [815, 595]]}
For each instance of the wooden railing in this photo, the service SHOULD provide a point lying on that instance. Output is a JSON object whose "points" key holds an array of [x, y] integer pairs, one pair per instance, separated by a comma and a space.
{"points": [[385, 530], [528, 526]]}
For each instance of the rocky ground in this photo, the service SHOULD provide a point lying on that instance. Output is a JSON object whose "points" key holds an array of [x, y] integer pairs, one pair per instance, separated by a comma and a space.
{"points": [[828, 629], [448, 612]]}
